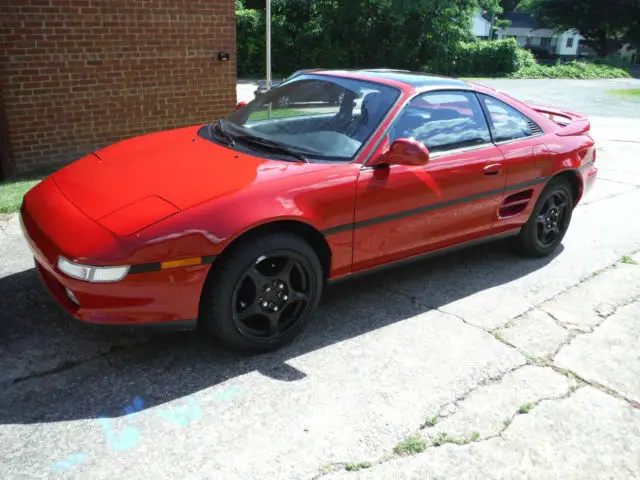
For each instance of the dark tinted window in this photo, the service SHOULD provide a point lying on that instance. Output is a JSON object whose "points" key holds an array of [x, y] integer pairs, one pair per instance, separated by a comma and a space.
{"points": [[507, 123], [443, 121]]}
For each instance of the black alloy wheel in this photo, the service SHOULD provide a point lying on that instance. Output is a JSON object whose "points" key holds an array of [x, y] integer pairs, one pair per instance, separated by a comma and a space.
{"points": [[272, 295], [260, 295], [551, 221], [546, 227]]}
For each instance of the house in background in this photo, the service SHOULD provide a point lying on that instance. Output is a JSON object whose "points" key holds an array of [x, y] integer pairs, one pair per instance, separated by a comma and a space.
{"points": [[543, 41], [629, 53], [481, 27]]}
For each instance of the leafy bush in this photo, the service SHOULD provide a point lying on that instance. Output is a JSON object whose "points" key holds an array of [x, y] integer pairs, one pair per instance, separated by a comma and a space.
{"points": [[500, 58], [250, 43], [580, 70], [494, 58], [524, 59], [614, 60]]}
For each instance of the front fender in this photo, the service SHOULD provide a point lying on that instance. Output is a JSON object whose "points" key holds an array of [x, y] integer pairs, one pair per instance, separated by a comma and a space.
{"points": [[321, 200]]}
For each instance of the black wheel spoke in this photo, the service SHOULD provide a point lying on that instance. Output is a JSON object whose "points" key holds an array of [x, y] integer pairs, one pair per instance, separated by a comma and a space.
{"points": [[287, 269], [561, 208], [257, 278], [548, 236], [299, 297], [249, 311], [541, 219], [274, 323], [551, 203]]}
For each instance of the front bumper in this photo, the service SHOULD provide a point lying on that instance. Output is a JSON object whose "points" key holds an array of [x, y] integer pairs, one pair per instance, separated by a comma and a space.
{"points": [[162, 297]]}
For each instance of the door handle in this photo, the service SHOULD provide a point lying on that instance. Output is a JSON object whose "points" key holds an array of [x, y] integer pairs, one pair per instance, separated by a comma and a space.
{"points": [[494, 169]]}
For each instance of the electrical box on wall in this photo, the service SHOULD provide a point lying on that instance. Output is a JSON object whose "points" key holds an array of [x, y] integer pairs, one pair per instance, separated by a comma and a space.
{"points": [[223, 56]]}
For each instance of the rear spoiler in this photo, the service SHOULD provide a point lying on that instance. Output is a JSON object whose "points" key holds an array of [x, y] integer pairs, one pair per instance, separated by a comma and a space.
{"points": [[569, 123]]}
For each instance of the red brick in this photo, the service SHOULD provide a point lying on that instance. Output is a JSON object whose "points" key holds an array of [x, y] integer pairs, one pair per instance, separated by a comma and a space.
{"points": [[89, 73]]}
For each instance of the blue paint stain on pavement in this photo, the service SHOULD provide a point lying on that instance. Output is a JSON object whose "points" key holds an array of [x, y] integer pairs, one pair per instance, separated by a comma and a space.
{"points": [[228, 394], [70, 462], [136, 406], [183, 415], [125, 439], [128, 437]]}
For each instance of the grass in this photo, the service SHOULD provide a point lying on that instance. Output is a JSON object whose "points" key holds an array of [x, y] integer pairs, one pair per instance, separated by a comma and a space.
{"points": [[430, 422], [352, 467], [283, 113], [410, 446], [629, 93], [628, 260], [446, 438], [442, 439], [526, 408], [328, 468], [12, 192]]}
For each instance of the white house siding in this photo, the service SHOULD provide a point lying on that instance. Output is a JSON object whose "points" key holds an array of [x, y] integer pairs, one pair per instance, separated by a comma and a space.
{"points": [[548, 38], [481, 27], [563, 40]]}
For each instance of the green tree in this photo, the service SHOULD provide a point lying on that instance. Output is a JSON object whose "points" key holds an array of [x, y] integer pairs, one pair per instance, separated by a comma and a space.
{"points": [[605, 25], [510, 5], [356, 33]]}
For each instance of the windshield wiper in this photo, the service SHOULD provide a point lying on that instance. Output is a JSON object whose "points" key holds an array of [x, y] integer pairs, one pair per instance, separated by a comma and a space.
{"points": [[263, 142], [219, 127]]}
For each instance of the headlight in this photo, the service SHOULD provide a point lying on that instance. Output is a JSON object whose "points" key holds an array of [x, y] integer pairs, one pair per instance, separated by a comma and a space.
{"points": [[92, 274]]}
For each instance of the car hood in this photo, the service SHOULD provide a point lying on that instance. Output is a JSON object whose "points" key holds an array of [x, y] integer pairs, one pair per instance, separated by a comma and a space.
{"points": [[134, 183]]}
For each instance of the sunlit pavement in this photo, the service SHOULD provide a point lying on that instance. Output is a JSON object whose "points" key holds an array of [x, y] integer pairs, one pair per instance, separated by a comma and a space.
{"points": [[504, 367]]}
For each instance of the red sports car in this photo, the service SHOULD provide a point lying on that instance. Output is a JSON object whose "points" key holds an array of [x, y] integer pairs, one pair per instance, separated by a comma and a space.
{"points": [[238, 224]]}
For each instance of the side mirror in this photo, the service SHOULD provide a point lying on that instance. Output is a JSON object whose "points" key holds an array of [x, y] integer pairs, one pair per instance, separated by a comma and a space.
{"points": [[240, 105], [404, 151]]}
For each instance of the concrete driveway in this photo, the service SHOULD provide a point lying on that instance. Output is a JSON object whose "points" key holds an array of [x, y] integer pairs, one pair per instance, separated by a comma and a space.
{"points": [[475, 365]]}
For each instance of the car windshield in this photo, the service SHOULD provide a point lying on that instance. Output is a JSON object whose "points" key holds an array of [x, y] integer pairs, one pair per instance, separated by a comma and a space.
{"points": [[316, 116]]}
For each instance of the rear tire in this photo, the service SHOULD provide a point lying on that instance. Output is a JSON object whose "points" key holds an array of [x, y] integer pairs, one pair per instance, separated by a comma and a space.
{"points": [[261, 296], [548, 223]]}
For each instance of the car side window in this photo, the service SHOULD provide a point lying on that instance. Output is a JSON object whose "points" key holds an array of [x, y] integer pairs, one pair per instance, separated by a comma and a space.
{"points": [[443, 121], [507, 123]]}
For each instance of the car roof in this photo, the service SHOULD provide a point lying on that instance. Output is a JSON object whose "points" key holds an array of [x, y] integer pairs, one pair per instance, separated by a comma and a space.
{"points": [[417, 80]]}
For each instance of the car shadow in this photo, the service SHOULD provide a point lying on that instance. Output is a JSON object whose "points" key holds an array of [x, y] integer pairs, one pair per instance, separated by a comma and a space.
{"points": [[57, 369]]}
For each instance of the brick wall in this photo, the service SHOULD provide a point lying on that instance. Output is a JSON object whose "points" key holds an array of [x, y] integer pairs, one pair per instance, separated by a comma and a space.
{"points": [[80, 74]]}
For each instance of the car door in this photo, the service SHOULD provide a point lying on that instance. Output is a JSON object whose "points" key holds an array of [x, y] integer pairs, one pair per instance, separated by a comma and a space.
{"points": [[523, 145], [406, 210]]}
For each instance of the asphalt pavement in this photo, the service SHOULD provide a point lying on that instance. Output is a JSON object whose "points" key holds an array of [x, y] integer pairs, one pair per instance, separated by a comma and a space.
{"points": [[474, 365]]}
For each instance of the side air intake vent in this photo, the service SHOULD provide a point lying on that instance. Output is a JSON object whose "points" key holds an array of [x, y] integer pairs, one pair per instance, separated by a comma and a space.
{"points": [[535, 129]]}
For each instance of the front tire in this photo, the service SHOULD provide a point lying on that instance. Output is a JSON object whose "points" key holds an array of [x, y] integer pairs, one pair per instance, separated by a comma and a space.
{"points": [[261, 296], [549, 221]]}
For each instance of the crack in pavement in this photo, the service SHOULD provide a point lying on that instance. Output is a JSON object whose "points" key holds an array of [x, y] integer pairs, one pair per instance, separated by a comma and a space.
{"points": [[615, 195], [448, 409], [584, 279], [432, 307], [445, 439], [71, 364], [570, 391], [619, 140], [618, 182]]}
